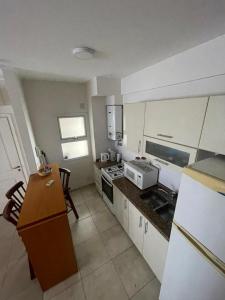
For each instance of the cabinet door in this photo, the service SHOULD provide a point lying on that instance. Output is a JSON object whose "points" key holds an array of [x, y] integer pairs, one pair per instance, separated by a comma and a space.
{"points": [[213, 134], [154, 249], [121, 206], [133, 126], [178, 120], [136, 226]]}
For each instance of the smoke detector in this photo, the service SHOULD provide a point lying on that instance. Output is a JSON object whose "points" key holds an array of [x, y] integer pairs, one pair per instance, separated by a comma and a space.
{"points": [[84, 52]]}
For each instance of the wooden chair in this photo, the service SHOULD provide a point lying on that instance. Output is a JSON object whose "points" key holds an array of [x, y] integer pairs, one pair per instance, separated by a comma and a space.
{"points": [[65, 177], [17, 193], [12, 209]]}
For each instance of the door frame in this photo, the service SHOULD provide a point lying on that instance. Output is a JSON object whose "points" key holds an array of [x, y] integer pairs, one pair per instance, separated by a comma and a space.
{"points": [[6, 111]]}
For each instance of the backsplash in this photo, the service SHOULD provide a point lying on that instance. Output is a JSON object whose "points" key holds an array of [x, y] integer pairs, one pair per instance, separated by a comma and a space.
{"points": [[167, 176]]}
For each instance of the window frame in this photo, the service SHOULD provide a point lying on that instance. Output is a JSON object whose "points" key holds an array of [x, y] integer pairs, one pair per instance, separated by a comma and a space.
{"points": [[74, 139]]}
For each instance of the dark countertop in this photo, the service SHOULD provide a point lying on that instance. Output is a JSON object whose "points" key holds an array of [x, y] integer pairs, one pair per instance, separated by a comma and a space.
{"points": [[105, 164], [133, 194]]}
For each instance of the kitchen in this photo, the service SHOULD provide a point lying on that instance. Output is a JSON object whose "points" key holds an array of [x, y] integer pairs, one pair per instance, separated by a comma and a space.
{"points": [[134, 192], [112, 133]]}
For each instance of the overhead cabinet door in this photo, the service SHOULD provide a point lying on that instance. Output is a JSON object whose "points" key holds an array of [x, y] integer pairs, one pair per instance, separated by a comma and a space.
{"points": [[213, 134], [179, 121], [133, 126]]}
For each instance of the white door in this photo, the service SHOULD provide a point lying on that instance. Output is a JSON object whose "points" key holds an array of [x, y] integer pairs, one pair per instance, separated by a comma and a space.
{"points": [[179, 121], [213, 133], [11, 169], [136, 226], [188, 274], [133, 126], [155, 248]]}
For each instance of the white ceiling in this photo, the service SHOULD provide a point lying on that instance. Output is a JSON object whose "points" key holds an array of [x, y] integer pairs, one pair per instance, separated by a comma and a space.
{"points": [[37, 36]]}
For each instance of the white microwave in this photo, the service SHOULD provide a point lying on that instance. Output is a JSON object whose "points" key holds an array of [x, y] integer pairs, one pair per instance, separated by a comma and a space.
{"points": [[141, 173]]}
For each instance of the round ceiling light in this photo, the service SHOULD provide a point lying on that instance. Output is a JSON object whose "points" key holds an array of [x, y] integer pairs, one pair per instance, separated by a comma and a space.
{"points": [[84, 52]]}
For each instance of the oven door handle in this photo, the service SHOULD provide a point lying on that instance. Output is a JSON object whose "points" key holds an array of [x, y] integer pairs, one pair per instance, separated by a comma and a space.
{"points": [[106, 181]]}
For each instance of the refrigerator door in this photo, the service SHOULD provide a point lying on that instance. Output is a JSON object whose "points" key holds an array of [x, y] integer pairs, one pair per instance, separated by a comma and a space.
{"points": [[188, 275], [201, 212]]}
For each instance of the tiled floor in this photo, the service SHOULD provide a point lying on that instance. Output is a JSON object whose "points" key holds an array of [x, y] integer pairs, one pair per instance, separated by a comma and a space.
{"points": [[110, 267]]}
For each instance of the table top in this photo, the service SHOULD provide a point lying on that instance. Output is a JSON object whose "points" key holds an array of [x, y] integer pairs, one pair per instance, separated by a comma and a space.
{"points": [[42, 202]]}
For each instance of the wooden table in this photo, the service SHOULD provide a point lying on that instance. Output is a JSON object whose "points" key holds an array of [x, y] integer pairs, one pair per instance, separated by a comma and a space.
{"points": [[44, 228]]}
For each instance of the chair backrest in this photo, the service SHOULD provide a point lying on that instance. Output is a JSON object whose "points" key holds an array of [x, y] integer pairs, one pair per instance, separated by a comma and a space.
{"points": [[17, 193], [11, 212], [65, 177]]}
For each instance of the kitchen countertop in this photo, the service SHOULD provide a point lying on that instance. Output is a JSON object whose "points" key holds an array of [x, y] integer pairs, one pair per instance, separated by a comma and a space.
{"points": [[105, 164], [133, 194]]}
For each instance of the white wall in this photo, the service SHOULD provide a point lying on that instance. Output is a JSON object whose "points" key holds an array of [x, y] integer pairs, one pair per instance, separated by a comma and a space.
{"points": [[196, 72], [13, 95], [47, 100]]}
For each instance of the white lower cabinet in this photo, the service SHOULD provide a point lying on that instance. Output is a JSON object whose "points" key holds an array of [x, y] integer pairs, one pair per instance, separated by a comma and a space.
{"points": [[121, 208], [155, 248], [148, 240], [136, 226]]}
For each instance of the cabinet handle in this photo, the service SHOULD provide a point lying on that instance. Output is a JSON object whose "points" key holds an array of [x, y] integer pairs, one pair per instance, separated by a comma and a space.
{"points": [[140, 222], [125, 203], [139, 146], [146, 227], [165, 135]]}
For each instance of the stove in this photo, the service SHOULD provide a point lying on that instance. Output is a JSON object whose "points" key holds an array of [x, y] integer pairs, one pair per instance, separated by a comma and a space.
{"points": [[108, 175], [113, 172]]}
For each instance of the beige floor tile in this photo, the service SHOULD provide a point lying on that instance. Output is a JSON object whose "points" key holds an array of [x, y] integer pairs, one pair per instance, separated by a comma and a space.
{"points": [[82, 211], [83, 230], [116, 240], [133, 270], [104, 220], [33, 292], [75, 292], [149, 292], [77, 197], [95, 204], [104, 284], [18, 248], [91, 254], [89, 191], [17, 279], [61, 287]]}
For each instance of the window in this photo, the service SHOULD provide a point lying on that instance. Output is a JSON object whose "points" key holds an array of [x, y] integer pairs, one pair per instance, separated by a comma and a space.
{"points": [[73, 135]]}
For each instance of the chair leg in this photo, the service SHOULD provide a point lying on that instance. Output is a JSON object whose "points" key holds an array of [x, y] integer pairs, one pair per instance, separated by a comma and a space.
{"points": [[32, 275], [72, 205]]}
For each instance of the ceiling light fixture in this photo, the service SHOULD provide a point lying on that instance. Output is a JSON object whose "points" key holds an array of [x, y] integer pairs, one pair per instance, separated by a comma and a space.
{"points": [[84, 52]]}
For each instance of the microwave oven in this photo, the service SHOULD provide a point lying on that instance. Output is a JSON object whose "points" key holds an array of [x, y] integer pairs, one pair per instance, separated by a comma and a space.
{"points": [[141, 173]]}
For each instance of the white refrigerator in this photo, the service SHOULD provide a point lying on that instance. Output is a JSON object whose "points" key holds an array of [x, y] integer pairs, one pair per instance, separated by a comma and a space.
{"points": [[195, 264]]}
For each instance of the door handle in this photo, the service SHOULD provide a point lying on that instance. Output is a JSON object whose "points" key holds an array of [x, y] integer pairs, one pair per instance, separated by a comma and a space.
{"points": [[17, 167], [140, 221], [165, 135]]}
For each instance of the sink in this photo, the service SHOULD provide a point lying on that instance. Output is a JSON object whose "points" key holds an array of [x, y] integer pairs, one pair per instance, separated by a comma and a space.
{"points": [[166, 212], [153, 199]]}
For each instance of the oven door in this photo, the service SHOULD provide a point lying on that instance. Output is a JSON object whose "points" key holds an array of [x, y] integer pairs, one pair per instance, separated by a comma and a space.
{"points": [[107, 188]]}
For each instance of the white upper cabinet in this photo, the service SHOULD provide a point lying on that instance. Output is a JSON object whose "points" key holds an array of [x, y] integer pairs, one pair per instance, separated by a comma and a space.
{"points": [[179, 121], [133, 126], [213, 134]]}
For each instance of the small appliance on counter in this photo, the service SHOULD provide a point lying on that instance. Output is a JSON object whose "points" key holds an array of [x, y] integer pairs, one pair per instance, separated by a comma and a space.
{"points": [[141, 173], [104, 157]]}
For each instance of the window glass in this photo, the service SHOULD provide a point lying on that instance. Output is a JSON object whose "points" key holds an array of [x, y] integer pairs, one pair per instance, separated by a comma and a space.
{"points": [[75, 149], [174, 156], [72, 127]]}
